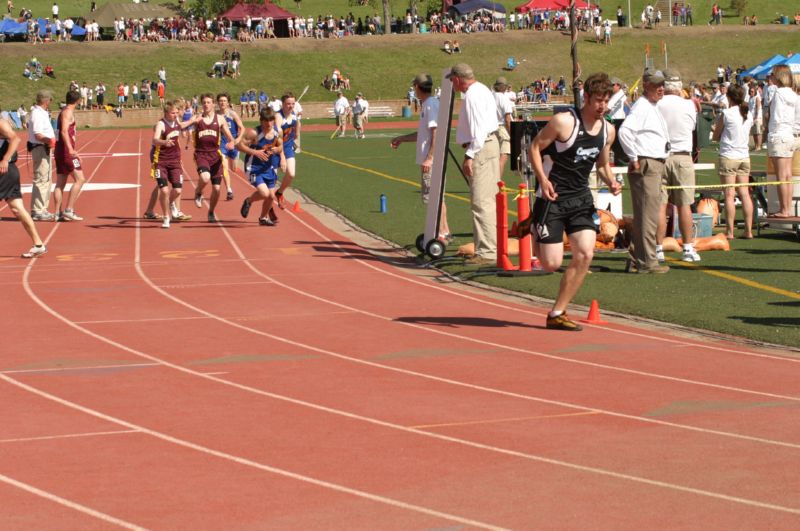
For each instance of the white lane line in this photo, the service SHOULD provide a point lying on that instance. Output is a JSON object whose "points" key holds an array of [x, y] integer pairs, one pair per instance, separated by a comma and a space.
{"points": [[488, 343], [144, 320], [369, 420], [69, 503], [79, 368], [67, 436]]}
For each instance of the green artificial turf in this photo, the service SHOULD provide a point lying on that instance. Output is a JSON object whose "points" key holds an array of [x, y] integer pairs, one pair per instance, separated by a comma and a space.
{"points": [[350, 175]]}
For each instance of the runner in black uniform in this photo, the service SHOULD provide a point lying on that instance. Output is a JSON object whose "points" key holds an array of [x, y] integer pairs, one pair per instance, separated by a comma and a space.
{"points": [[10, 188], [562, 155]]}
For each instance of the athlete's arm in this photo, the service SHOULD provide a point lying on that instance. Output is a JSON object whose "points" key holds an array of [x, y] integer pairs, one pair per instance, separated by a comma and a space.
{"points": [[410, 137], [158, 130], [718, 127], [604, 166], [558, 128], [244, 145], [239, 126], [13, 143], [63, 128]]}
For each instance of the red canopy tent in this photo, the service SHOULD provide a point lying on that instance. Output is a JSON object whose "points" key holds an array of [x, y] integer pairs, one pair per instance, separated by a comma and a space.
{"points": [[241, 11], [541, 5]]}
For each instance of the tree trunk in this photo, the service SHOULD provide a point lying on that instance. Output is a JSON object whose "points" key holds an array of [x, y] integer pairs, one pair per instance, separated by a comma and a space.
{"points": [[387, 18]]}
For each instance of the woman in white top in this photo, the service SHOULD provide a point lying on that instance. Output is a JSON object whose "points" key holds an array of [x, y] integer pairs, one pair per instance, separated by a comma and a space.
{"points": [[781, 139], [732, 130]]}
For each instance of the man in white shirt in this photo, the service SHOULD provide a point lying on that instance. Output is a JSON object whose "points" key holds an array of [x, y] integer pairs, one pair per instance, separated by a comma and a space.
{"points": [[42, 139], [55, 10], [616, 104], [720, 99], [644, 138], [425, 137], [477, 133], [341, 108], [680, 115], [360, 110], [162, 75], [505, 113]]}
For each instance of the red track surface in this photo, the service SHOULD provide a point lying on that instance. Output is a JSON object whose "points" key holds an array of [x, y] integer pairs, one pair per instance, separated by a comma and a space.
{"points": [[239, 376]]}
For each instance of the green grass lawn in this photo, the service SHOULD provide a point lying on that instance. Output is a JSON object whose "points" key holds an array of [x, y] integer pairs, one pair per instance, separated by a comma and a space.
{"points": [[381, 67], [766, 10], [689, 296]]}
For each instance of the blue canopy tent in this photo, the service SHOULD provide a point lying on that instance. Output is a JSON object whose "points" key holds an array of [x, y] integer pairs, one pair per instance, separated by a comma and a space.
{"points": [[793, 62], [761, 70], [476, 5], [9, 26]]}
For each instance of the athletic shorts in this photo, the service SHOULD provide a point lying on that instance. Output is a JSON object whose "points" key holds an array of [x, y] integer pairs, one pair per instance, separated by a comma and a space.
{"points": [[268, 178], [569, 215], [678, 171], [166, 173], [66, 164], [734, 168], [231, 154], [288, 150], [9, 183], [210, 162]]}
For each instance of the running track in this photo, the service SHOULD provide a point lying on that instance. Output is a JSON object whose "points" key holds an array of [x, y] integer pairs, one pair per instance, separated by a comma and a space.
{"points": [[240, 376]]}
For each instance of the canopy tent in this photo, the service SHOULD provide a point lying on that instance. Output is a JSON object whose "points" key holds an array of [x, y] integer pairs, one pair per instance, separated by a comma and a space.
{"points": [[9, 26], [761, 70], [241, 11], [542, 5], [470, 6], [106, 14], [793, 62]]}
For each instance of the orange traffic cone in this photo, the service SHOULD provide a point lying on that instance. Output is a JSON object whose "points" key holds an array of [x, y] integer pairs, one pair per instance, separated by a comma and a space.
{"points": [[506, 264], [594, 314], [296, 208]]}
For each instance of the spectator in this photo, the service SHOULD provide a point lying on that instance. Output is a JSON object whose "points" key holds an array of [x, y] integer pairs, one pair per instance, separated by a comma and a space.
{"points": [[784, 130], [755, 108], [42, 139]]}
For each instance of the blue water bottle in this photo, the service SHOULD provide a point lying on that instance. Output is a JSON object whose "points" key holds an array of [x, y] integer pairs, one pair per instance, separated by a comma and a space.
{"points": [[383, 204]]}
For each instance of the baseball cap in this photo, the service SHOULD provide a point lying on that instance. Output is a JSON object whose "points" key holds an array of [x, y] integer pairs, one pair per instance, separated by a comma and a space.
{"points": [[500, 82], [670, 74], [460, 70], [422, 80], [656, 77]]}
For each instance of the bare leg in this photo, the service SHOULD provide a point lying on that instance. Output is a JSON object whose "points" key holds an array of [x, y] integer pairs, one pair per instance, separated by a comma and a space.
{"points": [[151, 203], [214, 199], [163, 195], [58, 192], [747, 207], [686, 223], [18, 209], [77, 186]]}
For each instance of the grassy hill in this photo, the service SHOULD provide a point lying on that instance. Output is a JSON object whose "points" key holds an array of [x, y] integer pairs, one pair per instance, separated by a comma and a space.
{"points": [[381, 67], [766, 10]]}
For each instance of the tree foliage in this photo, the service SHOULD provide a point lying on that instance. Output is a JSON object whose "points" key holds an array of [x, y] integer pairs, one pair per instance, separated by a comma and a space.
{"points": [[739, 5]]}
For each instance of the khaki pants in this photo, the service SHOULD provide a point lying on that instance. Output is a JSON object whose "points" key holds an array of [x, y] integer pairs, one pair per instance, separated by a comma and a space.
{"points": [[646, 195], [482, 191], [40, 194]]}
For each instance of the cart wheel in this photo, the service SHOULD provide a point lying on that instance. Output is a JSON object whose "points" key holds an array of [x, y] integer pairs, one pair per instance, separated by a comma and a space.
{"points": [[435, 249], [421, 243]]}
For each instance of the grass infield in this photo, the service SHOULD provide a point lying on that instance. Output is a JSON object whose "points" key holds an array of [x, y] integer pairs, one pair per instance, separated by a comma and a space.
{"points": [[753, 291]]}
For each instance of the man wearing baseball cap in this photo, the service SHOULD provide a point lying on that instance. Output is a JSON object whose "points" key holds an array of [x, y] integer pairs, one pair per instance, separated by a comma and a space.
{"points": [[680, 116], [477, 133], [645, 139], [425, 137]]}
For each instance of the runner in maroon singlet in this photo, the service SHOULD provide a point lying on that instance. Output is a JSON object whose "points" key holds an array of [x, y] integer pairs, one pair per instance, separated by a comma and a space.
{"points": [[209, 128], [67, 161], [166, 166]]}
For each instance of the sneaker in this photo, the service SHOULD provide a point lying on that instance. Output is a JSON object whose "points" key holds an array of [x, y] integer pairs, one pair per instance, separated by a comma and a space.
{"points": [[212, 218], [71, 215], [165, 223], [35, 251], [562, 322], [266, 222], [690, 255], [281, 201], [46, 216], [229, 196], [245, 208], [151, 215], [273, 217], [60, 217], [180, 216], [656, 270], [660, 256], [198, 200], [479, 261]]}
